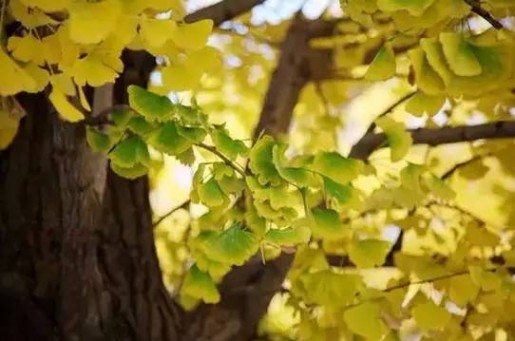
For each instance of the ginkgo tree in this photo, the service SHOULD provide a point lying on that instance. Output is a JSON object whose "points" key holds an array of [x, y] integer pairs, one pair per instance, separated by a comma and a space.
{"points": [[390, 238]]}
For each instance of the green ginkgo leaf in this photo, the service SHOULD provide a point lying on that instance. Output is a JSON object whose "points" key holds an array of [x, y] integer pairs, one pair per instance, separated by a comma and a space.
{"points": [[133, 172], [261, 161], [421, 104], [344, 194], [399, 139], [130, 152], [365, 320], [413, 7], [211, 194], [383, 66], [98, 141], [167, 139], [337, 168], [300, 234], [194, 134], [327, 225], [369, 252], [152, 106], [227, 145], [297, 176], [429, 316], [460, 55], [329, 288], [199, 284], [233, 246]]}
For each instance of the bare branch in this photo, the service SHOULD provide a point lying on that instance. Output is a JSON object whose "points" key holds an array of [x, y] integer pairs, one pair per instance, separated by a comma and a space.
{"points": [[434, 137], [483, 13], [223, 11]]}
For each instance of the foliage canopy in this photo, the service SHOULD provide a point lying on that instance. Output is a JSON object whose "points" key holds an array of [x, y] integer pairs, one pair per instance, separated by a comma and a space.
{"points": [[413, 253]]}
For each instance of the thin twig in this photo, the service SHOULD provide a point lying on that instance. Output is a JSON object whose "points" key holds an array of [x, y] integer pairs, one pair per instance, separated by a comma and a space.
{"points": [[227, 161], [169, 213], [483, 13]]}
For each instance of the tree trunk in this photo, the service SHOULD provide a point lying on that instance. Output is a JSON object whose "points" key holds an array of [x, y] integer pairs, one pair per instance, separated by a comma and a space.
{"points": [[77, 256]]}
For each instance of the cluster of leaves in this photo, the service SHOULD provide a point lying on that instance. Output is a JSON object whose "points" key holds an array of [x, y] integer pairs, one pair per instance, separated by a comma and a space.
{"points": [[315, 203], [55, 44]]}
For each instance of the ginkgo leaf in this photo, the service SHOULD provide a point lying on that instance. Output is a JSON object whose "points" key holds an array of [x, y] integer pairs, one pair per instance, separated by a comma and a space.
{"points": [[233, 246], [153, 107], [47, 5], [429, 316], [344, 194], [166, 139], [141, 126], [297, 176], [415, 8], [289, 236], [368, 253], [336, 167], [399, 140], [421, 104], [14, 78], [192, 36], [329, 288], [383, 66], [30, 17], [459, 54], [98, 141], [228, 146], [133, 172], [365, 320], [462, 289], [211, 194], [327, 224], [91, 70], [8, 128], [436, 59], [104, 14], [488, 281], [155, 32], [261, 161], [194, 134], [66, 110], [439, 187], [26, 49], [130, 152], [200, 285], [427, 79], [40, 76]]}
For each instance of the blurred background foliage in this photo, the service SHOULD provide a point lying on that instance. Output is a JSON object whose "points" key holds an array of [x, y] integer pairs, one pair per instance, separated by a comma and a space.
{"points": [[334, 114]]}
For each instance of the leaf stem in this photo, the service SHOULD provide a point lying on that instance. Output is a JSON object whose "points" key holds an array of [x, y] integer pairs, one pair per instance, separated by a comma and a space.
{"points": [[227, 161]]}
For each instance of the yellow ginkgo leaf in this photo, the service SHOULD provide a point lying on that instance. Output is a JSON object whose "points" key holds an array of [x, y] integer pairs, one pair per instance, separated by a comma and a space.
{"points": [[399, 139], [460, 55], [8, 128], [192, 36], [63, 83], [155, 32], [426, 78], [421, 104], [47, 5], [65, 109], [430, 316], [436, 59], [92, 22], [29, 17], [83, 100], [40, 76], [92, 71], [383, 66], [26, 49], [14, 78]]}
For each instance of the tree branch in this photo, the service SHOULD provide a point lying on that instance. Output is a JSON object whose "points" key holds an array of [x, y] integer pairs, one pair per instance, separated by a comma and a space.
{"points": [[223, 11], [483, 13], [434, 137]]}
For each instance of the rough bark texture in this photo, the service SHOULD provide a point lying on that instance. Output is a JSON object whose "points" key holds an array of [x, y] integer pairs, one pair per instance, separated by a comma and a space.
{"points": [[51, 187], [77, 256]]}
